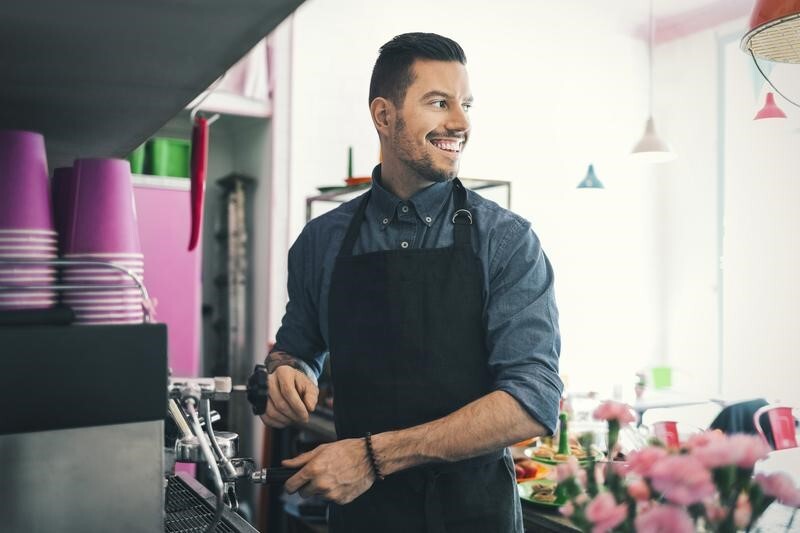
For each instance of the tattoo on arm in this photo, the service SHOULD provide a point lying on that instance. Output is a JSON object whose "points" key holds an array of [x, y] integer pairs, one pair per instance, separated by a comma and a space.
{"points": [[276, 359]]}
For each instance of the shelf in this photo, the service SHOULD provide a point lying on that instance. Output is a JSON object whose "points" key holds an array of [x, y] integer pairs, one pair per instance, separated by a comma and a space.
{"points": [[233, 104], [346, 193], [98, 78], [161, 182]]}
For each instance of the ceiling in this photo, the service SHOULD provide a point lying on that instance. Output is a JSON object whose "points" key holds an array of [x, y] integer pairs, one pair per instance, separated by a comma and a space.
{"points": [[677, 18]]}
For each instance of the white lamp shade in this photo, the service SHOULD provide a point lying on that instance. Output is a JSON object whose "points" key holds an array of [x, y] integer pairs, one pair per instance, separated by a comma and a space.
{"points": [[651, 147]]}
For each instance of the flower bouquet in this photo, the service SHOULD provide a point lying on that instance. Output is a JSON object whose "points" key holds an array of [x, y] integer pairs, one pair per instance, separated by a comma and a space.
{"points": [[706, 485]]}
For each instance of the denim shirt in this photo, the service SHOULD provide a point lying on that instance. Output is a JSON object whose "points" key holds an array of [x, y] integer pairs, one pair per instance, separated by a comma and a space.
{"points": [[519, 312]]}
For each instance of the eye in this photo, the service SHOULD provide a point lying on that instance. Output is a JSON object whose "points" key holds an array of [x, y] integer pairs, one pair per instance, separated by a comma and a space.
{"points": [[466, 106], [440, 104]]}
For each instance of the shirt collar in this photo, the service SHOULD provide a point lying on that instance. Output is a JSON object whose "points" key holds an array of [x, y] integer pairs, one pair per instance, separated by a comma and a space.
{"points": [[427, 202]]}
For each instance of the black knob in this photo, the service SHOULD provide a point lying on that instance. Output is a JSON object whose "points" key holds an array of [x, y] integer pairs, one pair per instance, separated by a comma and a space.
{"points": [[257, 390]]}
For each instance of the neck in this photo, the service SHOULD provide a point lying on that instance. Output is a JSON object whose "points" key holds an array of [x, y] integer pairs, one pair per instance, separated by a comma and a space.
{"points": [[400, 180]]}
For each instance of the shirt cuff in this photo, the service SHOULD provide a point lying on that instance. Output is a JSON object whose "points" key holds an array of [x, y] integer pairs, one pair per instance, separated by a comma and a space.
{"points": [[540, 398]]}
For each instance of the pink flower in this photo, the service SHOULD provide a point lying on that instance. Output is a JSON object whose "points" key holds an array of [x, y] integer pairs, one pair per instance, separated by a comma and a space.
{"points": [[704, 438], [743, 512], [747, 449], [567, 509], [715, 453], [740, 450], [682, 479], [781, 487], [614, 411], [643, 460], [664, 519], [605, 513], [568, 469], [638, 490], [715, 512]]}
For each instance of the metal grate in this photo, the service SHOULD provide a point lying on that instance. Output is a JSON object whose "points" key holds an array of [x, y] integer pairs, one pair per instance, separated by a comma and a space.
{"points": [[186, 512]]}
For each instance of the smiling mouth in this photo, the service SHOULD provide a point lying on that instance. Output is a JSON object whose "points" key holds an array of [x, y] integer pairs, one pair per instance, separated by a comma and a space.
{"points": [[449, 146]]}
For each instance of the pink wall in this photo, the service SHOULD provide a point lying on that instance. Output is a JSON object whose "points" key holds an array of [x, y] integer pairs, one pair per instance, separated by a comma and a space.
{"points": [[171, 273]]}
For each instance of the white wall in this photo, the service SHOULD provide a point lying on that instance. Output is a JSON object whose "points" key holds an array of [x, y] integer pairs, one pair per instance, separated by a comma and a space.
{"points": [[708, 95], [558, 85]]}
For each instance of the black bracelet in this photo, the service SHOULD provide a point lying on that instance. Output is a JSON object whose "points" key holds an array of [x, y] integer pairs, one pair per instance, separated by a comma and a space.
{"points": [[371, 456]]}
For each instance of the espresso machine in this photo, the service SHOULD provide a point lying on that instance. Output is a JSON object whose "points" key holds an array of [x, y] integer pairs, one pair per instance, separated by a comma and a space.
{"points": [[189, 407], [83, 430]]}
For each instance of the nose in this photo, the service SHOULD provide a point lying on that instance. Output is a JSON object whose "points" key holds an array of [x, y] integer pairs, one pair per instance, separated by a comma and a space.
{"points": [[458, 120]]}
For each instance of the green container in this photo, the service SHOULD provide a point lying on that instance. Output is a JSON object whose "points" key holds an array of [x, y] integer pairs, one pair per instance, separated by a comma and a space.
{"points": [[136, 159], [167, 157], [662, 377]]}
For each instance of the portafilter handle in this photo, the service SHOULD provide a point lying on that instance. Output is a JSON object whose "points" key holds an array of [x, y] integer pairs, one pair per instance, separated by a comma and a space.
{"points": [[257, 390], [273, 476]]}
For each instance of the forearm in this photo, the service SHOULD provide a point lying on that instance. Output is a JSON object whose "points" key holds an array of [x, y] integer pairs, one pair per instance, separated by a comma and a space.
{"points": [[280, 358], [489, 423]]}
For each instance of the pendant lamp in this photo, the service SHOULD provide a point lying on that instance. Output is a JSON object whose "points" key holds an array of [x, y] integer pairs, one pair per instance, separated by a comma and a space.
{"points": [[590, 181], [774, 35], [651, 148], [770, 109]]}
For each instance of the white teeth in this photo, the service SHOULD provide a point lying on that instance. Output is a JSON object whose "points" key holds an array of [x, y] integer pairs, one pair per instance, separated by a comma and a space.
{"points": [[447, 145]]}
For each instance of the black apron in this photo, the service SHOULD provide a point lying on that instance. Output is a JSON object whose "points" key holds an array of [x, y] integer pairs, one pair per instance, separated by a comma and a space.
{"points": [[407, 346]]}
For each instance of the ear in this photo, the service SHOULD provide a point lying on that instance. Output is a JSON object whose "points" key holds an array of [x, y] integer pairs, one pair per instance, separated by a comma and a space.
{"points": [[383, 114]]}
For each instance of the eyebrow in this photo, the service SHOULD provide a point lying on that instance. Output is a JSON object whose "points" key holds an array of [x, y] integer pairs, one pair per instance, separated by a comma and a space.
{"points": [[430, 94]]}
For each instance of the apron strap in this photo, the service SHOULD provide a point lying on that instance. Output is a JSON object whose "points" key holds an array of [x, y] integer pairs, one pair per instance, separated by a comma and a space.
{"points": [[462, 217], [355, 225], [462, 220]]}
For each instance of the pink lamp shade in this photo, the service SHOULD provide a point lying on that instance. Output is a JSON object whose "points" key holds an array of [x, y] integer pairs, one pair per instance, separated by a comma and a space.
{"points": [[770, 109]]}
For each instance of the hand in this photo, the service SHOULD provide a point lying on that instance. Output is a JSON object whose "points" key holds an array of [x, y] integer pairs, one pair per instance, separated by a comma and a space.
{"points": [[291, 397], [339, 472]]}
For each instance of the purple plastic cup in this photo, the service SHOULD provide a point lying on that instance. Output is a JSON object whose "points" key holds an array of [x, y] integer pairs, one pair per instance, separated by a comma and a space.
{"points": [[24, 187], [62, 187], [102, 218]]}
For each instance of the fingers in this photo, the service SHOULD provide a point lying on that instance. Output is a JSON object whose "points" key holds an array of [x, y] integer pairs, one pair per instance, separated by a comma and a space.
{"points": [[338, 472], [301, 459], [289, 384], [291, 392], [310, 394], [274, 418]]}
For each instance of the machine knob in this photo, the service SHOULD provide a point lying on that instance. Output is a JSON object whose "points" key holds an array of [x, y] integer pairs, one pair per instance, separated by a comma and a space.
{"points": [[257, 390]]}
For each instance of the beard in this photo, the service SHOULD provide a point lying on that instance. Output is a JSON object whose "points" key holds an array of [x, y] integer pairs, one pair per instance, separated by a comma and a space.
{"points": [[422, 165]]}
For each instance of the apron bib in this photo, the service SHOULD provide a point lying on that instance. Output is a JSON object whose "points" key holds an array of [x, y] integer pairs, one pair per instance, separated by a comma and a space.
{"points": [[407, 346]]}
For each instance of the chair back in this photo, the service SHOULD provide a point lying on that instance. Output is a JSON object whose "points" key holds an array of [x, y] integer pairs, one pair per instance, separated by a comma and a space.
{"points": [[781, 424], [667, 432]]}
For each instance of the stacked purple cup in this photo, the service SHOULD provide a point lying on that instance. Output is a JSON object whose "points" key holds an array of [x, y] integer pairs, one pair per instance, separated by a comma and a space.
{"points": [[98, 219], [27, 234]]}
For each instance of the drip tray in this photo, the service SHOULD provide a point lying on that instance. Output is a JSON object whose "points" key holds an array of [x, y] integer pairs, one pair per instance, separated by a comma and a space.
{"points": [[187, 510]]}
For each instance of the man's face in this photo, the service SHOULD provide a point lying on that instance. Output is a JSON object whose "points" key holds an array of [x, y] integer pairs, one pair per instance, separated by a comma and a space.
{"points": [[433, 125]]}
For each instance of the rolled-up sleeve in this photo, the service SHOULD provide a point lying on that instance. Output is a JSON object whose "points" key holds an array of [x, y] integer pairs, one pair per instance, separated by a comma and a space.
{"points": [[299, 334], [523, 337]]}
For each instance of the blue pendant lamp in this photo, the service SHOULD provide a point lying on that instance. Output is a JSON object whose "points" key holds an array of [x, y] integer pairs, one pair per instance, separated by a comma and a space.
{"points": [[590, 181]]}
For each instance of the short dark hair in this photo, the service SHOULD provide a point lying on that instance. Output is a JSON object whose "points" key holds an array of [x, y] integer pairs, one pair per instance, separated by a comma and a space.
{"points": [[392, 73]]}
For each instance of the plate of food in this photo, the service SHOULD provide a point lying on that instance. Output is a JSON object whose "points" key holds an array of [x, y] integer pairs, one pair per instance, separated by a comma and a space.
{"points": [[527, 469], [361, 180], [541, 492], [547, 454]]}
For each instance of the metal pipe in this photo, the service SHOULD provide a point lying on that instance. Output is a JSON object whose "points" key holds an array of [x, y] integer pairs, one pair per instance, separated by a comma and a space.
{"points": [[229, 469], [212, 464], [177, 415]]}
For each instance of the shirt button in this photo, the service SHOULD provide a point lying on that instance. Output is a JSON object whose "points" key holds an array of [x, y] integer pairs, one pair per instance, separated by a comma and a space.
{"points": [[404, 244], [428, 219], [385, 220], [404, 209]]}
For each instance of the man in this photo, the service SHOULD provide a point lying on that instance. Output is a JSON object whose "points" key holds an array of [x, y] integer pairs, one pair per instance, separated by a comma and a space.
{"points": [[437, 309]]}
